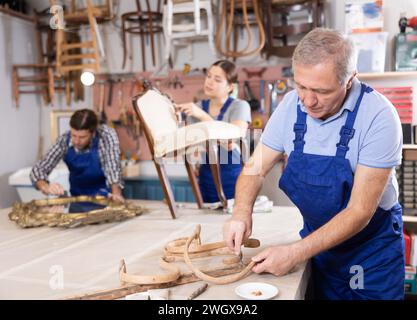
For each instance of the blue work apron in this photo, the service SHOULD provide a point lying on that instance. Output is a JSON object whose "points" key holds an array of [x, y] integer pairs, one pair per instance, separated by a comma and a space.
{"points": [[370, 265], [229, 171], [86, 175]]}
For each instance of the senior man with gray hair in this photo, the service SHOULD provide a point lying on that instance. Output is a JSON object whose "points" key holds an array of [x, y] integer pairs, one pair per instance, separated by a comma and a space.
{"points": [[344, 140]]}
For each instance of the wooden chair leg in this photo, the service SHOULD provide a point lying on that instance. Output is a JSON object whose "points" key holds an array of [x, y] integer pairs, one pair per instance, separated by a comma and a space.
{"points": [[215, 171], [124, 36], [142, 43], [267, 7], [244, 150], [15, 85], [194, 183], [68, 92], [235, 38], [51, 85], [151, 34], [166, 187]]}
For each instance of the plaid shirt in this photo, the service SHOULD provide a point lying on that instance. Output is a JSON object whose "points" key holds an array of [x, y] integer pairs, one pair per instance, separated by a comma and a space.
{"points": [[108, 151]]}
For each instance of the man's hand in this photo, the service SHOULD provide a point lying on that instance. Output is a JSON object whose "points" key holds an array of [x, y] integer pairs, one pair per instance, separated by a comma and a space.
{"points": [[116, 197], [191, 109], [278, 260], [236, 231], [50, 188]]}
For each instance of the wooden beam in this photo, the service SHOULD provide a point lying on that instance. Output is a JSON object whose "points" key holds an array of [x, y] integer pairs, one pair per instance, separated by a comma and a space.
{"points": [[16, 14], [76, 67], [118, 293], [68, 57], [69, 46]]}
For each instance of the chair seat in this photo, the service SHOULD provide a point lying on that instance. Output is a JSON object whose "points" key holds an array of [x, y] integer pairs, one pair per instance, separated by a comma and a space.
{"points": [[183, 27], [287, 2], [193, 135]]}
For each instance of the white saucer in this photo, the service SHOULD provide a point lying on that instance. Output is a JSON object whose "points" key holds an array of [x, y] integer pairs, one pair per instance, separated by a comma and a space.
{"points": [[256, 291]]}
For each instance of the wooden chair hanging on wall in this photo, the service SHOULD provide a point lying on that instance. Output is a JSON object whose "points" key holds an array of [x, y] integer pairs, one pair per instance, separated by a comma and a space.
{"points": [[46, 47], [72, 56], [144, 23], [78, 14], [234, 16], [281, 34], [180, 30], [36, 79], [41, 77]]}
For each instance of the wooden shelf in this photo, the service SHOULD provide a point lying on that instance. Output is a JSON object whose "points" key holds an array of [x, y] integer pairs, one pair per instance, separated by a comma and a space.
{"points": [[409, 218], [388, 74], [409, 146], [16, 14]]}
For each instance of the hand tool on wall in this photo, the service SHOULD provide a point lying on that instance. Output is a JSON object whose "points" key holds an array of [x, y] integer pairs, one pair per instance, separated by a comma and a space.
{"points": [[406, 45], [273, 96], [102, 114], [110, 95], [249, 96], [262, 94]]}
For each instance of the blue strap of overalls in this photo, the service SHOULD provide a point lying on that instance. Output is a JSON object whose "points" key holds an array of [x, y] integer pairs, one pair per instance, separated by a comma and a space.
{"points": [[206, 104], [347, 132], [300, 128]]}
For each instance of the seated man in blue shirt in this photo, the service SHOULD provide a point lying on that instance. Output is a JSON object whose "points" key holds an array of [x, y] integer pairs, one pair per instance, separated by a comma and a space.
{"points": [[344, 140], [92, 154]]}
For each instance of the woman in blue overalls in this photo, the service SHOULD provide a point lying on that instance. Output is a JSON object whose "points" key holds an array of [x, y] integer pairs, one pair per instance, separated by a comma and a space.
{"points": [[355, 246], [220, 106]]}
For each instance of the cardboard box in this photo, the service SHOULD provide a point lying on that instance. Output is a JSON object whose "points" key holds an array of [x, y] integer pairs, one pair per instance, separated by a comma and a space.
{"points": [[131, 170]]}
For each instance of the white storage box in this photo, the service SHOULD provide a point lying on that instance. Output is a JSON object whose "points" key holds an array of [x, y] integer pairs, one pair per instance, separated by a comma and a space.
{"points": [[27, 192], [371, 49]]}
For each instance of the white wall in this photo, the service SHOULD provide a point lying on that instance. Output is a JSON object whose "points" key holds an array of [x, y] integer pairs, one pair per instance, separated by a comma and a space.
{"points": [[20, 129], [24, 131]]}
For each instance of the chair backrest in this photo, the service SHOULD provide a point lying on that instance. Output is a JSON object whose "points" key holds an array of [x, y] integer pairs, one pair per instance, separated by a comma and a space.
{"points": [[157, 112]]}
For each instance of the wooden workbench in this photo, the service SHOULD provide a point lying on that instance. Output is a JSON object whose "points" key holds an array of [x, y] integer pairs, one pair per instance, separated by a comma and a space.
{"points": [[34, 261]]}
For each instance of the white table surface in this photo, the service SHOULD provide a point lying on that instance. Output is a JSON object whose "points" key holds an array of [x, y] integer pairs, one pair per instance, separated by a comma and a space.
{"points": [[34, 261]]}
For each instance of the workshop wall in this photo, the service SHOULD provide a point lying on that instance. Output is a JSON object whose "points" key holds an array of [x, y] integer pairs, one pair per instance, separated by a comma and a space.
{"points": [[19, 128]]}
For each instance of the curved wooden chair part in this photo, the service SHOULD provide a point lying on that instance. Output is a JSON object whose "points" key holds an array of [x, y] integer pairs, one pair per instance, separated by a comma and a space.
{"points": [[173, 273], [228, 20], [205, 277], [178, 246], [179, 250]]}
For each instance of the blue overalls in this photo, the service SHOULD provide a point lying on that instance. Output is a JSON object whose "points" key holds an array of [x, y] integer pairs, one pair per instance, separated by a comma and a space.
{"points": [[229, 171], [320, 187], [86, 175]]}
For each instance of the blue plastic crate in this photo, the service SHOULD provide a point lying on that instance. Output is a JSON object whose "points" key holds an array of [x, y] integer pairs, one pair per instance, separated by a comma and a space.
{"points": [[150, 189]]}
